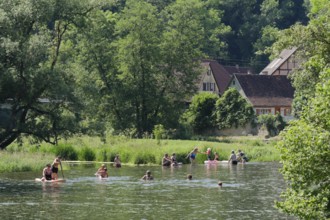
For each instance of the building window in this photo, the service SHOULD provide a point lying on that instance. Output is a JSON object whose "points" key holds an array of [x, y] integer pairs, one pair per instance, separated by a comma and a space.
{"points": [[208, 86], [287, 112], [263, 111], [208, 71]]}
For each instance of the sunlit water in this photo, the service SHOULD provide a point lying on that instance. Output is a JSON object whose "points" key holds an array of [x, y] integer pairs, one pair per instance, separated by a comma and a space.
{"points": [[248, 192]]}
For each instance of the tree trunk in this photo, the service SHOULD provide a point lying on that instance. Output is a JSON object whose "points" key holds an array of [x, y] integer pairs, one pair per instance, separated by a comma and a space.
{"points": [[7, 140]]}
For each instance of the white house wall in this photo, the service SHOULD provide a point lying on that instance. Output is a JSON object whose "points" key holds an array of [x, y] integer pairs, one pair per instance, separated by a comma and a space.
{"points": [[209, 79]]}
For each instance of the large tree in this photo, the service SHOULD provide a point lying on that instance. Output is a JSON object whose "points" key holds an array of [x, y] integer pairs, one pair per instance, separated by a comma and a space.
{"points": [[35, 83], [146, 67], [247, 20], [305, 148]]}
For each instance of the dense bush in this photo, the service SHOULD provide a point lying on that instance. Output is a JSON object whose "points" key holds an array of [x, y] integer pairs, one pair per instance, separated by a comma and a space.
{"points": [[274, 124], [66, 152], [87, 154], [145, 158], [232, 110], [200, 113]]}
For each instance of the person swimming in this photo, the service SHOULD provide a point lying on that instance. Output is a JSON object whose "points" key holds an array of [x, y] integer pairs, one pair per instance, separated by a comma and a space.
{"points": [[147, 176]]}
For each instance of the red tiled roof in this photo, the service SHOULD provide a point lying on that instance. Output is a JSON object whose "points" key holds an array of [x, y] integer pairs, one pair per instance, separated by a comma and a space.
{"points": [[224, 74], [266, 90]]}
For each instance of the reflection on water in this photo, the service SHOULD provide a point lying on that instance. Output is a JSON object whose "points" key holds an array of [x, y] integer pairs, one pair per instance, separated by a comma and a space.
{"points": [[248, 192]]}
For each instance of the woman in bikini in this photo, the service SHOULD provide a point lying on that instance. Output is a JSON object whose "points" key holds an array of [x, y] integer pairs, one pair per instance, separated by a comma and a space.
{"points": [[55, 164]]}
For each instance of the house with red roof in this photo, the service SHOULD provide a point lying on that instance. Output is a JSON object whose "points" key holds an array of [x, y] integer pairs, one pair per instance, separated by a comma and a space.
{"points": [[216, 78], [268, 94]]}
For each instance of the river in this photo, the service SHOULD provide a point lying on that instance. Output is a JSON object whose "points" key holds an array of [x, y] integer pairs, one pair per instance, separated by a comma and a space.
{"points": [[248, 192]]}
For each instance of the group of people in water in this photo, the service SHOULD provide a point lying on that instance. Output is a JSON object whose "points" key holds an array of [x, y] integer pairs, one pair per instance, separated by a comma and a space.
{"points": [[240, 157], [103, 171], [50, 172]]}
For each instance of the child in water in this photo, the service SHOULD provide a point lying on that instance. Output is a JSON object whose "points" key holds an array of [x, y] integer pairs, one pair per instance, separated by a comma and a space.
{"points": [[147, 176], [102, 171], [208, 153]]}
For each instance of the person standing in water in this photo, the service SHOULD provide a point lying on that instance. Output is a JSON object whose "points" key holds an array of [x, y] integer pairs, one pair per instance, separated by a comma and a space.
{"points": [[208, 153], [55, 164], [232, 158], [117, 161], [192, 155]]}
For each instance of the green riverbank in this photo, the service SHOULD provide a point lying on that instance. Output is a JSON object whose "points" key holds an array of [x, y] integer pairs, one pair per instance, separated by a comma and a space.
{"points": [[33, 157]]}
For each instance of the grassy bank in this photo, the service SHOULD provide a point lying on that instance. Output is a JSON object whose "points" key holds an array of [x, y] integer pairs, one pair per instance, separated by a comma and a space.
{"points": [[27, 157]]}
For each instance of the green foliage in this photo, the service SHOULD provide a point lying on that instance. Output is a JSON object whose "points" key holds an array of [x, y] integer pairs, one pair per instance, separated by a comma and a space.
{"points": [[144, 158], [36, 81], [233, 110], [305, 154], [86, 154], [140, 87], [159, 132], [274, 123], [23, 161], [305, 148], [200, 115], [66, 152]]}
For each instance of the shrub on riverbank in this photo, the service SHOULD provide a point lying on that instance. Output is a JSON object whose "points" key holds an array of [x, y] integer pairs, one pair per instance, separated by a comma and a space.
{"points": [[131, 151]]}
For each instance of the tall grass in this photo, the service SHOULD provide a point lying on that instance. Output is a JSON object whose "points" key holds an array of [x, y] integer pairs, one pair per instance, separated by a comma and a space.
{"points": [[22, 161], [134, 151]]}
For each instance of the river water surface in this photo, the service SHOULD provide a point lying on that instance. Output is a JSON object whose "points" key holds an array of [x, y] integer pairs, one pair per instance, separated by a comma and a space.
{"points": [[248, 192]]}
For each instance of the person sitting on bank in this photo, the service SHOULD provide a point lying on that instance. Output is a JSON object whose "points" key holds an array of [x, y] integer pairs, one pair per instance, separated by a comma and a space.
{"points": [[173, 160], [117, 162], [232, 158], [147, 176], [166, 160], [57, 161], [47, 173], [102, 171]]}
